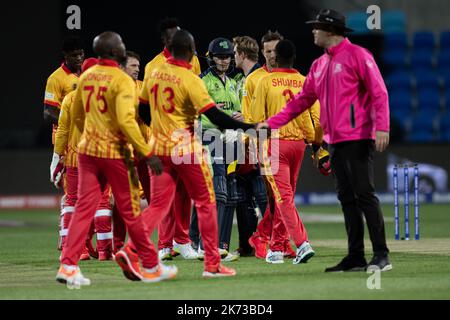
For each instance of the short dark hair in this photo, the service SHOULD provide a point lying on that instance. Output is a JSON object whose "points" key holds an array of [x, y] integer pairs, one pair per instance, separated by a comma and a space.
{"points": [[270, 36], [285, 51], [248, 46], [168, 23], [72, 43], [181, 43], [132, 54]]}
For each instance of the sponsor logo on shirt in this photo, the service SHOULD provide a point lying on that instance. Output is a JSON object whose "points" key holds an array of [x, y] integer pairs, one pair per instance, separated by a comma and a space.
{"points": [[49, 96], [337, 68]]}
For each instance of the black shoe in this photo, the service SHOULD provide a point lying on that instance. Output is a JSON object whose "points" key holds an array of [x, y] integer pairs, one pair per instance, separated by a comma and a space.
{"points": [[379, 263], [349, 264]]}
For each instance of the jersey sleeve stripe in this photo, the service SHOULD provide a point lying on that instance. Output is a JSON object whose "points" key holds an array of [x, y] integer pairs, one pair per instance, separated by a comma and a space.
{"points": [[207, 107], [51, 103]]}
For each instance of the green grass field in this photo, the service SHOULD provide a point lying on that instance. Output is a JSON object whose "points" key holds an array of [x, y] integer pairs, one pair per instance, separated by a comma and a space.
{"points": [[29, 261]]}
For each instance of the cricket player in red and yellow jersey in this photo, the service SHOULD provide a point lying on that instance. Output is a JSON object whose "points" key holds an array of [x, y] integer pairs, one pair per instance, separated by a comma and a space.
{"points": [[173, 98], [104, 109], [270, 96], [174, 233], [260, 239], [66, 140], [63, 80]]}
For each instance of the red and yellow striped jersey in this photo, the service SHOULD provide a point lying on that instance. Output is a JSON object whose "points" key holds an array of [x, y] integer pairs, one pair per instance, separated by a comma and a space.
{"points": [[59, 84], [176, 97], [67, 135], [105, 105], [249, 89], [271, 95], [162, 58]]}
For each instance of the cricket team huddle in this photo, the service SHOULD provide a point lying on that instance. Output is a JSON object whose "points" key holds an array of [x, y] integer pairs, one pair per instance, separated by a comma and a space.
{"points": [[115, 140]]}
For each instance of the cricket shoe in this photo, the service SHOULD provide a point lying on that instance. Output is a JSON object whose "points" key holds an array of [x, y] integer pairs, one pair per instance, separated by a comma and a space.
{"points": [[165, 254], [230, 258], [349, 264], [72, 277], [275, 257], [222, 252], [288, 251], [218, 271], [159, 273], [304, 253], [128, 261], [259, 245], [185, 250], [379, 263]]}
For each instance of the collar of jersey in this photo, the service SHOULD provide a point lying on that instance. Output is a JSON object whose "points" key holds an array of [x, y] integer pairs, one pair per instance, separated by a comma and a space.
{"points": [[167, 53], [65, 68], [336, 49], [108, 63], [286, 70], [180, 63]]}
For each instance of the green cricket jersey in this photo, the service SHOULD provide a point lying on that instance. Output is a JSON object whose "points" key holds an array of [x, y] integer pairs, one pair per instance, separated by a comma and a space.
{"points": [[222, 93]]}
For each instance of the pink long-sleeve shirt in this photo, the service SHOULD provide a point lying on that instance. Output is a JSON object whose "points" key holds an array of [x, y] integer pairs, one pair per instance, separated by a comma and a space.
{"points": [[352, 95]]}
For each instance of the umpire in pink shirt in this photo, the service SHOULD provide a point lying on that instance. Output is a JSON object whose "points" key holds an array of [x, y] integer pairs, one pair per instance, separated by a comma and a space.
{"points": [[354, 112]]}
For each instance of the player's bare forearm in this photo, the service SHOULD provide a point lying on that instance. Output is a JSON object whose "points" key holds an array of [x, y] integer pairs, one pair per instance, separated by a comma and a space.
{"points": [[51, 114]]}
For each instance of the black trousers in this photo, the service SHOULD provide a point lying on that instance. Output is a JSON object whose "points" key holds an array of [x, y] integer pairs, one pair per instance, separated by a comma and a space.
{"points": [[352, 164]]}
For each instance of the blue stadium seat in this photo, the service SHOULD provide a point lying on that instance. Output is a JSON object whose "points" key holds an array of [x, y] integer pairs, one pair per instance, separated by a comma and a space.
{"points": [[399, 80], [447, 101], [357, 21], [422, 127], [445, 40], [427, 80], [400, 104], [444, 122], [420, 136], [444, 127], [393, 21], [395, 60], [443, 60], [395, 41], [423, 40], [446, 78], [429, 100], [422, 59]]}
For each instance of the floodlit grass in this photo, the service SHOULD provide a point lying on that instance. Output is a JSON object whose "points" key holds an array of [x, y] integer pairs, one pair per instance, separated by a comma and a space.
{"points": [[29, 261]]}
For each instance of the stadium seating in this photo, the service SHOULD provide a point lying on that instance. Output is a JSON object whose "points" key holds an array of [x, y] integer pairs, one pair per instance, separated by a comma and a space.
{"points": [[395, 41], [428, 100], [444, 127], [424, 40], [393, 21], [422, 127], [418, 80], [395, 59], [422, 59], [358, 22], [399, 80], [427, 80], [444, 41]]}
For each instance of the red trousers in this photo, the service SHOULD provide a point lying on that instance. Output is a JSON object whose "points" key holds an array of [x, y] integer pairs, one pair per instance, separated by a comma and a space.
{"points": [[120, 230], [197, 180], [175, 226], [102, 218], [94, 176], [286, 217]]}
